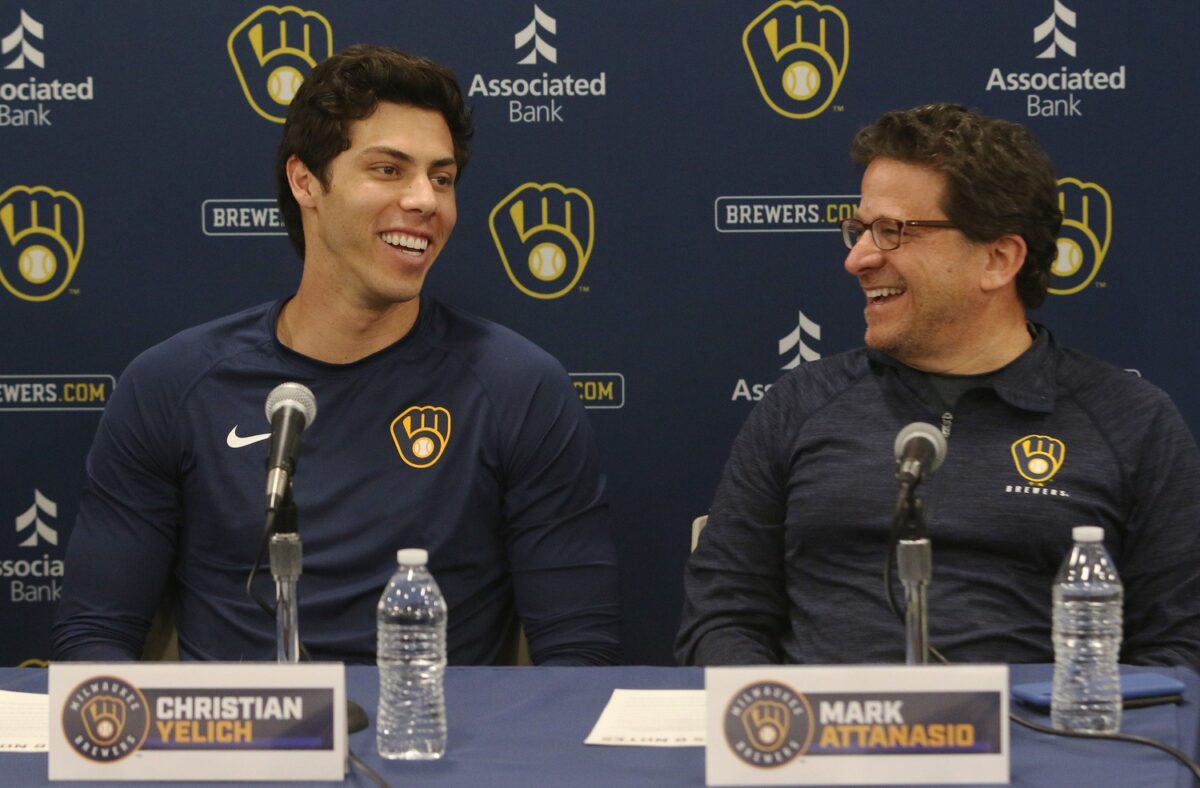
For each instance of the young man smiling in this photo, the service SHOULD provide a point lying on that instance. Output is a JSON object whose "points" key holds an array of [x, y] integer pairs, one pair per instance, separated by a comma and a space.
{"points": [[437, 429], [953, 242]]}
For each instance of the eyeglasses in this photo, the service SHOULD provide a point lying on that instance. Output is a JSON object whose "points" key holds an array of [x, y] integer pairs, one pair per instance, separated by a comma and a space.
{"points": [[886, 233]]}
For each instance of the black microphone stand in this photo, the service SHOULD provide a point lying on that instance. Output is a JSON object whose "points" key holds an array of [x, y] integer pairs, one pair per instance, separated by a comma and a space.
{"points": [[286, 559], [914, 563]]}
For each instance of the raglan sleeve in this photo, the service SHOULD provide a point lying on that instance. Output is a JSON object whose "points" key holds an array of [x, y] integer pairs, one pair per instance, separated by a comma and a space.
{"points": [[122, 545], [1159, 560], [557, 530], [734, 597]]}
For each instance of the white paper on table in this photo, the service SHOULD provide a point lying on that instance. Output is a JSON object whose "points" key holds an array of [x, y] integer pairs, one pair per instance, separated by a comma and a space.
{"points": [[24, 720], [651, 718]]}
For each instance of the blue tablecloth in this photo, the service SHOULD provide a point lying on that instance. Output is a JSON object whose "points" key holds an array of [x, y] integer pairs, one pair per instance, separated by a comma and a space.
{"points": [[525, 727]]}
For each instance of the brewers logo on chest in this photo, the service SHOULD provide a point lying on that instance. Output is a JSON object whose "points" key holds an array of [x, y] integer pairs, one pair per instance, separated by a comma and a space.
{"points": [[421, 433]]}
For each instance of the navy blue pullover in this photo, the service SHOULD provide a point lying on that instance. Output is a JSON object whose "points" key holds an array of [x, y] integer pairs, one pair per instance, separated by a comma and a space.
{"points": [[463, 438], [789, 568]]}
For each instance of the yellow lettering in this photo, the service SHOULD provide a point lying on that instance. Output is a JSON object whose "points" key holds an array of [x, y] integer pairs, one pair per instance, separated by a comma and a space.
{"points": [[829, 737], [878, 737], [206, 731], [835, 212], [917, 737], [83, 392]]}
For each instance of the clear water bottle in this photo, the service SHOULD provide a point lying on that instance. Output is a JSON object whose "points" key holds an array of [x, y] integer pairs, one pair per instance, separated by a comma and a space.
{"points": [[1087, 638], [411, 653]]}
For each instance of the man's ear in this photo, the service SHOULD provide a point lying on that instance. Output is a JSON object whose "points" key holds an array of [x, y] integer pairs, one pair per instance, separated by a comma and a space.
{"points": [[1006, 255], [303, 182]]}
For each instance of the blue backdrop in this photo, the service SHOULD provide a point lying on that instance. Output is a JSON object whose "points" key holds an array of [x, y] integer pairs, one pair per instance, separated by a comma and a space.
{"points": [[702, 147]]}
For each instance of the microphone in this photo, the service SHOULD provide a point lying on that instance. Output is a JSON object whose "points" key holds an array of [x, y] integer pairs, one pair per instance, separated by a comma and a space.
{"points": [[920, 449], [290, 408]]}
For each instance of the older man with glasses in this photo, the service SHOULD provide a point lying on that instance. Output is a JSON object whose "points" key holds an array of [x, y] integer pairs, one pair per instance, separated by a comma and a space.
{"points": [[952, 244]]}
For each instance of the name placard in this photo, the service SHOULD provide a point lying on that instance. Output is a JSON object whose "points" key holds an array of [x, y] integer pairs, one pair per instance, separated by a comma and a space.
{"points": [[856, 725], [197, 721]]}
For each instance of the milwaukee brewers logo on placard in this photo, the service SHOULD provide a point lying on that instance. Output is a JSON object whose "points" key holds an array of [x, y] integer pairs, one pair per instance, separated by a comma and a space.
{"points": [[41, 243], [106, 719], [272, 51], [1085, 236], [798, 52], [544, 233], [768, 724], [421, 434], [1038, 457]]}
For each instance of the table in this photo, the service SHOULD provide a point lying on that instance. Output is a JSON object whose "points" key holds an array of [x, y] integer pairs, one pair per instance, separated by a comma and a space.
{"points": [[524, 727]]}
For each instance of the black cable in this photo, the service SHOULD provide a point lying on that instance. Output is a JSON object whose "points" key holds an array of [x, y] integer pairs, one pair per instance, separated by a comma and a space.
{"points": [[268, 531], [1126, 737], [362, 766], [1129, 737]]}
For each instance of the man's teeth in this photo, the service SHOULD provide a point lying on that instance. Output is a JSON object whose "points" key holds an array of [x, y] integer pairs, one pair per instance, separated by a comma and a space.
{"points": [[404, 241], [880, 292]]}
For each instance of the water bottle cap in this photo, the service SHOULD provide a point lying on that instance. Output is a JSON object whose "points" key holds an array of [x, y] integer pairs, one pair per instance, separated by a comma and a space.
{"points": [[413, 556], [1087, 533]]}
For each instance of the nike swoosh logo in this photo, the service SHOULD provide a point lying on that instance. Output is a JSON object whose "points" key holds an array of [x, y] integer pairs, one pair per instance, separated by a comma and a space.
{"points": [[235, 441]]}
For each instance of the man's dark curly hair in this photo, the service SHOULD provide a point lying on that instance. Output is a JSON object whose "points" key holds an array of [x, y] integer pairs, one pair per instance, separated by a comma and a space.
{"points": [[999, 181], [348, 87]]}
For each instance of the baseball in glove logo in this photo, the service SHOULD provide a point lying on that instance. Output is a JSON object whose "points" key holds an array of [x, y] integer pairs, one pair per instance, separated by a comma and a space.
{"points": [[42, 241], [798, 52], [1085, 236], [768, 724], [544, 233], [421, 434], [272, 50], [1038, 457], [106, 719]]}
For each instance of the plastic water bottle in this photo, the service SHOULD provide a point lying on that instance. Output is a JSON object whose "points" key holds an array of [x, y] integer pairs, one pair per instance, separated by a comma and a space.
{"points": [[411, 652], [1087, 638]]}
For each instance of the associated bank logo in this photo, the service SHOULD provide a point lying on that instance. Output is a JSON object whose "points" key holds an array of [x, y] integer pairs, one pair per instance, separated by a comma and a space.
{"points": [[19, 43], [106, 719], [794, 342], [55, 392], [1053, 30], [35, 579], [768, 724], [27, 101], [546, 97], [421, 434], [1057, 93], [1085, 236], [42, 241], [544, 233], [798, 53], [31, 522], [531, 34], [600, 390], [251, 216], [793, 348], [801, 213], [272, 51], [1038, 457]]}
